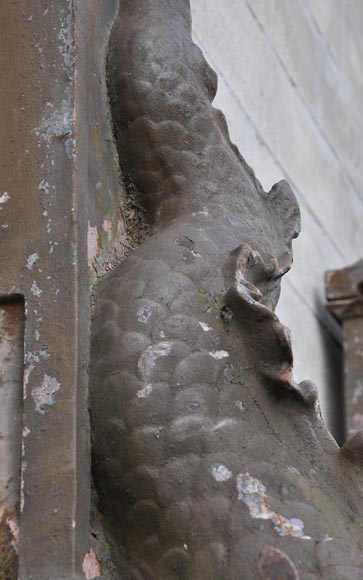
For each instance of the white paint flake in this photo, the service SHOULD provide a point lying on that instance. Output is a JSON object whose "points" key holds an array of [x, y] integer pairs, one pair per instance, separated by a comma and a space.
{"points": [[253, 493], [144, 313], [220, 472], [205, 326], [92, 244], [239, 404], [202, 212], [32, 357], [151, 354], [31, 260], [5, 197], [145, 392], [36, 290], [147, 362], [219, 354], [24, 465], [26, 432], [45, 394], [44, 186]]}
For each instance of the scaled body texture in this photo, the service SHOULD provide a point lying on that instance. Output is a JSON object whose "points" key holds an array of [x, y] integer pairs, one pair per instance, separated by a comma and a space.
{"points": [[209, 461]]}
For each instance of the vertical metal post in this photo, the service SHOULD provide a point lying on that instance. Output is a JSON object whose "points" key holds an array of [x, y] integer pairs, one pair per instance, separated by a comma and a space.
{"points": [[43, 233], [345, 301], [60, 227]]}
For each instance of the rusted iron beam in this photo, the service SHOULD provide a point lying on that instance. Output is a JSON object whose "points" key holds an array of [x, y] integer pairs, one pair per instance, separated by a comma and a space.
{"points": [[60, 228], [43, 235]]}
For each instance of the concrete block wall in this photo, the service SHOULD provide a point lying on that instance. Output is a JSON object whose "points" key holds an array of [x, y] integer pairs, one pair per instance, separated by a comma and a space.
{"points": [[291, 86]]}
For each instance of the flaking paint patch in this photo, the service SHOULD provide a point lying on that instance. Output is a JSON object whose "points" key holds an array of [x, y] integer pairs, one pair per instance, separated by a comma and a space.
{"points": [[31, 260], [239, 404], [220, 472], [149, 357], [91, 566], [27, 373], [36, 290], [26, 432], [44, 186], [205, 326], [24, 465], [253, 493], [66, 36], [219, 354], [147, 362], [92, 244], [144, 313], [4, 197], [45, 394], [145, 392], [59, 125]]}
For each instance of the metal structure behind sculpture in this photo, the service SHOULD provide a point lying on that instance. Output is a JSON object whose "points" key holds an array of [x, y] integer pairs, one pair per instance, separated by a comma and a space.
{"points": [[209, 461], [345, 302]]}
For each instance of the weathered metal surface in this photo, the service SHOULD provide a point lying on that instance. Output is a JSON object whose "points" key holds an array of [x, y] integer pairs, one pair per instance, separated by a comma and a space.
{"points": [[39, 257], [344, 291], [60, 226], [205, 449]]}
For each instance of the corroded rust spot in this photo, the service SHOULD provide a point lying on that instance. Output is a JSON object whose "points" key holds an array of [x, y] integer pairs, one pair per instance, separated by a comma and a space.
{"points": [[8, 555], [275, 565]]}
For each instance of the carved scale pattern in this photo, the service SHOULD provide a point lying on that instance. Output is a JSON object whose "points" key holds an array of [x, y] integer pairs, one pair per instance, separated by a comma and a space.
{"points": [[185, 343]]}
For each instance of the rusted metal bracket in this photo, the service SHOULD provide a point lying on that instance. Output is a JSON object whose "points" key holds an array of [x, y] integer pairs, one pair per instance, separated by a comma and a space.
{"points": [[344, 291]]}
